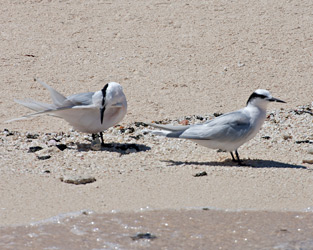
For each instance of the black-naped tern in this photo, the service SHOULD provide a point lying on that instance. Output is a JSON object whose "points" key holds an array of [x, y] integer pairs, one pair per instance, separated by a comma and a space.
{"points": [[90, 112], [226, 132]]}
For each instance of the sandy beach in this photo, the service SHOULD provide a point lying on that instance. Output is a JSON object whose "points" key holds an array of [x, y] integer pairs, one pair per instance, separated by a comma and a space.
{"points": [[177, 61]]}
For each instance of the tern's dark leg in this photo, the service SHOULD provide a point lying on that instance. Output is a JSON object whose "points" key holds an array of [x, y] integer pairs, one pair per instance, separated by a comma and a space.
{"points": [[238, 159], [93, 136], [102, 141], [232, 156]]}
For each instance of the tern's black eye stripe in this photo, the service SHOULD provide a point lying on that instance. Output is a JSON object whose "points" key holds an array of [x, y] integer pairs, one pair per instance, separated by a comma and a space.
{"points": [[104, 92], [256, 95]]}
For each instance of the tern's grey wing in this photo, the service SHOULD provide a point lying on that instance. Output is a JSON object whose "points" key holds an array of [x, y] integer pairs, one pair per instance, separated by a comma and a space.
{"points": [[83, 99], [57, 98], [235, 116], [169, 127], [79, 99], [228, 127], [61, 101]]}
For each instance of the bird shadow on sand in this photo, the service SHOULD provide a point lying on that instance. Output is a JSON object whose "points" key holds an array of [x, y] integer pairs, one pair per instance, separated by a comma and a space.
{"points": [[122, 148], [246, 163]]}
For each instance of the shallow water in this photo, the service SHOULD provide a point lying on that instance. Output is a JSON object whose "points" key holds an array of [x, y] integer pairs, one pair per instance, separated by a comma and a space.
{"points": [[165, 229]]}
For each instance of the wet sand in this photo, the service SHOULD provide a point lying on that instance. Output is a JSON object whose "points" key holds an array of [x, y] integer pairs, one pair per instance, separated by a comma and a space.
{"points": [[167, 229]]}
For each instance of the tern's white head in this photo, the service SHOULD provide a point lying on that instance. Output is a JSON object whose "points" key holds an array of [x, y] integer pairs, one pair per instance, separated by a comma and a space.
{"points": [[260, 98], [111, 95]]}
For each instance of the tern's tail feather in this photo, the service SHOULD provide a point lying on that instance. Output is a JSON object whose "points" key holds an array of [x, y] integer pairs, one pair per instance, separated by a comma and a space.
{"points": [[32, 115], [57, 98], [34, 105], [170, 128], [40, 108], [158, 132]]}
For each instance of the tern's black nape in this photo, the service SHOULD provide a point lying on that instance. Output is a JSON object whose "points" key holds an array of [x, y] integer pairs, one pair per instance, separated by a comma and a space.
{"points": [[256, 95], [102, 109], [104, 93]]}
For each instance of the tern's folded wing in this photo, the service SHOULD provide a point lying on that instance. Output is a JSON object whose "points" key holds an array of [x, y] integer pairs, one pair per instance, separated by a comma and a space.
{"points": [[80, 99], [228, 127]]}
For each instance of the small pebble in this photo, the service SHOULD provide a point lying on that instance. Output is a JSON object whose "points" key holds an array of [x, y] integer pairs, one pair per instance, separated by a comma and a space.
{"points": [[77, 180], [240, 64], [52, 142], [7, 132], [287, 137], [200, 174], [130, 130], [44, 157], [61, 146], [58, 138], [144, 236], [138, 124], [310, 150], [266, 137], [308, 160], [136, 137], [304, 141], [32, 136], [217, 114], [184, 122], [34, 149], [199, 118]]}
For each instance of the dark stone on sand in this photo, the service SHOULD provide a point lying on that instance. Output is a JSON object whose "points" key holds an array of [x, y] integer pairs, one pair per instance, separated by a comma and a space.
{"points": [[138, 124], [201, 174], [304, 141], [44, 157], [136, 137], [32, 136], [266, 137], [143, 236], [7, 132], [61, 146], [217, 114], [34, 149], [78, 180], [129, 130]]}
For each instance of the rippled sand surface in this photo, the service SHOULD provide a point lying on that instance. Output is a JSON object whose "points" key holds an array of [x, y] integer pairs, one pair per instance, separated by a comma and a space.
{"points": [[165, 229]]}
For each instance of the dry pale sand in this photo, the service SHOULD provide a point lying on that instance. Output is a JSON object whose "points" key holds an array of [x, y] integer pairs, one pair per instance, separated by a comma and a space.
{"points": [[173, 58]]}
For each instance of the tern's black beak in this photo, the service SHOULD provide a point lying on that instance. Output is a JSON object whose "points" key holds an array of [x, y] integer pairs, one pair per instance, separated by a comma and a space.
{"points": [[276, 100], [101, 114]]}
